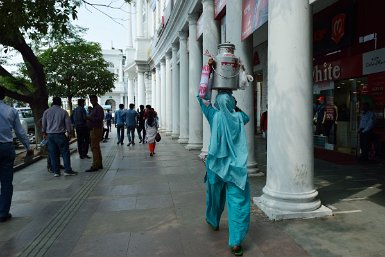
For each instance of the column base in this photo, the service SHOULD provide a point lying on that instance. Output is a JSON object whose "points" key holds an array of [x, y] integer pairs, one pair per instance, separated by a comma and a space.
{"points": [[174, 136], [203, 154], [277, 214], [168, 132], [183, 140], [252, 169], [192, 146]]}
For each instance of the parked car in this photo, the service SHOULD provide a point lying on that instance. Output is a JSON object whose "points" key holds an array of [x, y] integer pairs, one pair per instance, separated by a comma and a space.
{"points": [[25, 114]]}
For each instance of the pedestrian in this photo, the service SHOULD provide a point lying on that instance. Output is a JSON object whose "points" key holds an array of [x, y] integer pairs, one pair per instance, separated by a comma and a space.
{"points": [[365, 131], [96, 134], [120, 118], [320, 112], [106, 131], [131, 122], [226, 168], [79, 119], [55, 124], [151, 126], [140, 125], [108, 119], [263, 125], [9, 120]]}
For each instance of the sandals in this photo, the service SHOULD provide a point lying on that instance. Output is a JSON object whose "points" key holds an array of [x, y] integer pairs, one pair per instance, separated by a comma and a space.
{"points": [[237, 250]]}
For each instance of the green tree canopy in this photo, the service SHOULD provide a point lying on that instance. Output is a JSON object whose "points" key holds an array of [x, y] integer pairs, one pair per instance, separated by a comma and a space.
{"points": [[77, 70]]}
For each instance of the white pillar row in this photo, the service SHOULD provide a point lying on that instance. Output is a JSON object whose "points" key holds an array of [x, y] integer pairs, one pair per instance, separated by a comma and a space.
{"points": [[168, 100], [183, 88], [153, 88], [175, 92], [157, 90], [244, 50], [141, 89], [139, 18], [289, 191], [162, 115], [195, 64], [211, 39], [130, 90]]}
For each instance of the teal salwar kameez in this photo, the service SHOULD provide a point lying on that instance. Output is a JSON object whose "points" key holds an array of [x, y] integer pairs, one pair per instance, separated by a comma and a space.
{"points": [[226, 167]]}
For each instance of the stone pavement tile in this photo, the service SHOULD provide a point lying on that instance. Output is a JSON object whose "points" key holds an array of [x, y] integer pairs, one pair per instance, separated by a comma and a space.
{"points": [[153, 187], [124, 190], [154, 201], [112, 244], [194, 198], [130, 221], [185, 186], [117, 204], [161, 242]]}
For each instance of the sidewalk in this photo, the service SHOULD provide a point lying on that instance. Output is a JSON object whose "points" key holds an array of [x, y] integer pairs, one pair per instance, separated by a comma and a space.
{"points": [[154, 206]]}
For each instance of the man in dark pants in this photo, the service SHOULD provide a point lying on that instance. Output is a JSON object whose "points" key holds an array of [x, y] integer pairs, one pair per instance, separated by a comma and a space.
{"points": [[9, 119], [79, 119], [366, 131], [140, 126]]}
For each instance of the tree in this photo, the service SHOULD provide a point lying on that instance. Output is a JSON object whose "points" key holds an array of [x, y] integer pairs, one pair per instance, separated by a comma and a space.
{"points": [[76, 70], [23, 24]]}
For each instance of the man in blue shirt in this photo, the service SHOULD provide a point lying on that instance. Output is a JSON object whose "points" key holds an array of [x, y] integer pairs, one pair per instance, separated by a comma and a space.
{"points": [[131, 119], [120, 118], [9, 119], [366, 131]]}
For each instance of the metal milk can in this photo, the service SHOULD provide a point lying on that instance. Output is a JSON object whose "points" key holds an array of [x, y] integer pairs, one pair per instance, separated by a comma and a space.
{"points": [[226, 70]]}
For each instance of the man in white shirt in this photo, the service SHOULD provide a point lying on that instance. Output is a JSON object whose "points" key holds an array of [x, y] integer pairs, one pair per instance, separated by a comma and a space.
{"points": [[9, 119]]}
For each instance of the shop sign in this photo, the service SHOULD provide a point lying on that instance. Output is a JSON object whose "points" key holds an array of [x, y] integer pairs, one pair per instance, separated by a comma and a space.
{"points": [[254, 15], [317, 88], [373, 62], [350, 67], [200, 26], [333, 28], [219, 8]]}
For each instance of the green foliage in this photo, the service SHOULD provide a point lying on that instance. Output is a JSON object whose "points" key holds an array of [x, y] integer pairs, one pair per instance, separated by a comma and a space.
{"points": [[77, 70]]}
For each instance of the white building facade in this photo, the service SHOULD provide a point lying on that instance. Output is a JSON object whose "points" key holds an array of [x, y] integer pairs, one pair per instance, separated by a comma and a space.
{"points": [[164, 56]]}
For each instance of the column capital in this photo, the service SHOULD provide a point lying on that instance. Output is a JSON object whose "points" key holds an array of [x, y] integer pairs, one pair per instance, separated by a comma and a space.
{"points": [[182, 35], [174, 46], [207, 1], [168, 54], [193, 18], [157, 66], [163, 61]]}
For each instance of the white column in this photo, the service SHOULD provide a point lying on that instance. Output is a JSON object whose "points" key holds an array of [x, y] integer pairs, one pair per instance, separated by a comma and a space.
{"points": [[163, 94], [141, 89], [168, 94], [195, 67], [130, 91], [211, 39], [158, 91], [183, 85], [139, 18], [289, 191], [175, 93], [153, 88], [244, 50], [129, 27]]}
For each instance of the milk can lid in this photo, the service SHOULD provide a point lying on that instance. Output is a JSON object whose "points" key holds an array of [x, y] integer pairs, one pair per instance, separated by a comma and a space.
{"points": [[226, 45]]}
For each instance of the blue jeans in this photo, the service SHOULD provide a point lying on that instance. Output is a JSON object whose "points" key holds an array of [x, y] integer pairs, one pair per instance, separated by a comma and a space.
{"points": [[7, 158], [59, 144], [120, 131], [131, 130]]}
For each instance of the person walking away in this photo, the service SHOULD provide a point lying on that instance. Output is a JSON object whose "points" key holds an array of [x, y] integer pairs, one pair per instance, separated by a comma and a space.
{"points": [[120, 118], [320, 112], [79, 119], [55, 124], [140, 127], [9, 120], [108, 119], [131, 121], [151, 126], [226, 168], [264, 125], [365, 131], [96, 125], [106, 131]]}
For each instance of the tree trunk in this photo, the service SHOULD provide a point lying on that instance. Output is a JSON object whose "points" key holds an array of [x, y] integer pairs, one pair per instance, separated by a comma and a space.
{"points": [[38, 107], [69, 98]]}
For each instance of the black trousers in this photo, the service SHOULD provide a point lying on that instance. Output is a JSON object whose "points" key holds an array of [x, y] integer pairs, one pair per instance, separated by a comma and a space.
{"points": [[83, 136], [365, 142]]}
